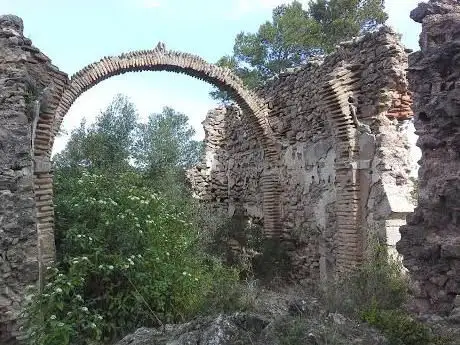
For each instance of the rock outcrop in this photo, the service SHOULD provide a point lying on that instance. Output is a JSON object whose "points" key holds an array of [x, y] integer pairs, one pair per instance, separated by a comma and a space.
{"points": [[281, 320], [430, 241]]}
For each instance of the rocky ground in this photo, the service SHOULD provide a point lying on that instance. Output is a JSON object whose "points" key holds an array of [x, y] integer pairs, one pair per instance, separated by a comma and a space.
{"points": [[277, 318]]}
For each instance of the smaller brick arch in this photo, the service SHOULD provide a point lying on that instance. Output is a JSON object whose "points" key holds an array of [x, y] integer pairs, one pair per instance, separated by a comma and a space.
{"points": [[336, 92]]}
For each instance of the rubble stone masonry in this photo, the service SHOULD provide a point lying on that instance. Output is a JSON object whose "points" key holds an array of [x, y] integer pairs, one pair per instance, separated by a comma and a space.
{"points": [[24, 75], [430, 241], [343, 163], [319, 155]]}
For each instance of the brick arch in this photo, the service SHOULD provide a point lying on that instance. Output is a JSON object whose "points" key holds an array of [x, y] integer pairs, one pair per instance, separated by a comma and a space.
{"points": [[165, 60], [339, 87], [157, 59]]}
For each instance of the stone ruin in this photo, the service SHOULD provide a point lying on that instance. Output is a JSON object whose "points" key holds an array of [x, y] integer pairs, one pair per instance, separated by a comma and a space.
{"points": [[430, 242], [343, 164], [319, 155]]}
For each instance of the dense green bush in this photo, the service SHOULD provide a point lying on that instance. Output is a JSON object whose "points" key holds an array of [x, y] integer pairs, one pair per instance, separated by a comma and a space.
{"points": [[398, 327], [127, 258]]}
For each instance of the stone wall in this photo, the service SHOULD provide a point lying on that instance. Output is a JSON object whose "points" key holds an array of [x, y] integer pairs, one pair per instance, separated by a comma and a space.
{"points": [[24, 76], [230, 173], [343, 163], [319, 154], [35, 98], [430, 242]]}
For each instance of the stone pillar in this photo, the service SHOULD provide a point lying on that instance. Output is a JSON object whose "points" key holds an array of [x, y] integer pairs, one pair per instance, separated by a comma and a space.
{"points": [[430, 242], [18, 233]]}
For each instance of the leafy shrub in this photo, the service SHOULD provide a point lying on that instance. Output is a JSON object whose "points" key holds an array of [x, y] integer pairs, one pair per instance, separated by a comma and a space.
{"points": [[398, 327], [376, 293], [127, 258], [378, 281]]}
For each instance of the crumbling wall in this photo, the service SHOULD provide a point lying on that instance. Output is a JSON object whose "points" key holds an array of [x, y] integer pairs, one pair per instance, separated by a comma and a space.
{"points": [[18, 234], [343, 163], [318, 153], [24, 78], [430, 241], [229, 175]]}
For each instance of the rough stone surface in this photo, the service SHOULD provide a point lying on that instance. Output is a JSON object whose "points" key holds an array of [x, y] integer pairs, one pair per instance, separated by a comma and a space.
{"points": [[24, 73], [343, 165], [319, 155], [277, 319], [430, 242]]}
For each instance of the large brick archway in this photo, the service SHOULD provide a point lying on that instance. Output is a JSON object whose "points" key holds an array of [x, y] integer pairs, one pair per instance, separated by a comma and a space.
{"points": [[158, 59]]}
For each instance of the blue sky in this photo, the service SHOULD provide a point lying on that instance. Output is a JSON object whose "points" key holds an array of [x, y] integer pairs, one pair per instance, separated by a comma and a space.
{"points": [[76, 33]]}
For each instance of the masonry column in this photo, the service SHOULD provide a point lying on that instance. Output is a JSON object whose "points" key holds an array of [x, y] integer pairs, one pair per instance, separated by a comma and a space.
{"points": [[18, 234], [430, 242]]}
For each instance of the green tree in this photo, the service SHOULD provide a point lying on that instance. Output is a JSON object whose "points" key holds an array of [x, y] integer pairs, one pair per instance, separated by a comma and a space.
{"points": [[295, 34], [340, 20], [127, 234], [104, 145], [165, 144]]}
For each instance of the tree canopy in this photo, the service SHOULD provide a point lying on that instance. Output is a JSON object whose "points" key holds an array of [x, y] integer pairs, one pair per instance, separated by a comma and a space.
{"points": [[118, 141], [295, 34]]}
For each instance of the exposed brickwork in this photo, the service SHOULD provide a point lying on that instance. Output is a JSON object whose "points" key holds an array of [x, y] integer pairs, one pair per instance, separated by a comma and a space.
{"points": [[317, 154], [25, 75], [343, 166], [55, 95], [160, 59]]}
